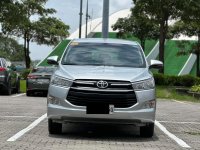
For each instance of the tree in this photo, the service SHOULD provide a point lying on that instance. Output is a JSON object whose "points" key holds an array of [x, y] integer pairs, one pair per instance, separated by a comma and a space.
{"points": [[49, 31], [190, 25], [4, 5], [159, 11], [11, 49], [28, 29], [141, 27], [9, 12]]}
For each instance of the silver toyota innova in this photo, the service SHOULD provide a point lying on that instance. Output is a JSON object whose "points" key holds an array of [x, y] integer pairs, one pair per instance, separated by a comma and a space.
{"points": [[102, 81]]}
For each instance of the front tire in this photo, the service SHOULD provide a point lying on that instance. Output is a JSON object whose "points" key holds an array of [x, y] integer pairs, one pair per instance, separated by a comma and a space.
{"points": [[147, 131], [54, 128]]}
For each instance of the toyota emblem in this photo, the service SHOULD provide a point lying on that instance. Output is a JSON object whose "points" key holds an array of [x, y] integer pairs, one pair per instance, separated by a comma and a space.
{"points": [[102, 84]]}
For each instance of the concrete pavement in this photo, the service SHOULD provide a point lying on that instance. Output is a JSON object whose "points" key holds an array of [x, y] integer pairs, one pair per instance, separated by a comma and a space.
{"points": [[17, 113]]}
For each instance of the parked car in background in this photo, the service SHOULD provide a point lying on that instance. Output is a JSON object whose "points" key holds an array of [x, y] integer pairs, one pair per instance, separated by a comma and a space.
{"points": [[102, 81], [38, 80], [9, 78]]}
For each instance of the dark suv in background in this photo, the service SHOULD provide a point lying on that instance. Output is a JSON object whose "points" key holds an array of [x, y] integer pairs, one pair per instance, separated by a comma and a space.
{"points": [[38, 80], [9, 78]]}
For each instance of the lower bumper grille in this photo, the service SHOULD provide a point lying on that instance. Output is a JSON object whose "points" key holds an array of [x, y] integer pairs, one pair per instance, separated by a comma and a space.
{"points": [[118, 99]]}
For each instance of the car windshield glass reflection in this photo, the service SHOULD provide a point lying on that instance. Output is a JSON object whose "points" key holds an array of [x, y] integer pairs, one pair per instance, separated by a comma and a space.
{"points": [[104, 54]]}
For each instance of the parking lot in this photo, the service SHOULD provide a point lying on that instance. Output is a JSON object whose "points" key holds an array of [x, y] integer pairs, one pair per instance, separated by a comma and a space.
{"points": [[23, 125]]}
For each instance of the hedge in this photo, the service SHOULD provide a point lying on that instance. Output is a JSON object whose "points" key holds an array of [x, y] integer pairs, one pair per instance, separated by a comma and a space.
{"points": [[167, 80]]}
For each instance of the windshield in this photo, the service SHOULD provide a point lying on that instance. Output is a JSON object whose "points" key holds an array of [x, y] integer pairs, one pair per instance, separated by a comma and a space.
{"points": [[120, 55]]}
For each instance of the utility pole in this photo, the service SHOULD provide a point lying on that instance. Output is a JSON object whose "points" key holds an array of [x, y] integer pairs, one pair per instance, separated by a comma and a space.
{"points": [[81, 14], [105, 25], [87, 17]]}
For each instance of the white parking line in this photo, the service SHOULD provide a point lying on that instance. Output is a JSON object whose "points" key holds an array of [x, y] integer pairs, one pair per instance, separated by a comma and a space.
{"points": [[18, 95], [172, 136], [30, 127], [188, 103], [174, 122]]}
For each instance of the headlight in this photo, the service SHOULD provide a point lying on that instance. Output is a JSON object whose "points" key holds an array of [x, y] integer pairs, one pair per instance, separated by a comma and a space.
{"points": [[59, 81], [144, 85]]}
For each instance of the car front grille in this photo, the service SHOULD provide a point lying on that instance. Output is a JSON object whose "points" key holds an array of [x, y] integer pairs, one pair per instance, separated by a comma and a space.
{"points": [[118, 93]]}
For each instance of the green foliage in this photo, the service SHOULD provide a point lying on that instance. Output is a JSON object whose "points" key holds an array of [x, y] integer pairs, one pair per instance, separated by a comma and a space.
{"points": [[190, 25], [189, 80], [167, 92], [141, 27], [195, 88], [4, 7], [159, 12], [166, 80], [189, 29], [45, 30], [25, 73], [49, 31], [11, 49]]}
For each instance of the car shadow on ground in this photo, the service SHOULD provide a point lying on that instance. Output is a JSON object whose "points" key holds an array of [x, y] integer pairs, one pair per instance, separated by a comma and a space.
{"points": [[38, 94], [3, 93], [102, 132]]}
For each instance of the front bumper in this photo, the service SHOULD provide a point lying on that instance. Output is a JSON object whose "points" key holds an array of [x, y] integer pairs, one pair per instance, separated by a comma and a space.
{"points": [[63, 111]]}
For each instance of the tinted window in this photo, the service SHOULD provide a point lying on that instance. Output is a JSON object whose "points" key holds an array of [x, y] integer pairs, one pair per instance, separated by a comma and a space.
{"points": [[104, 54], [43, 70]]}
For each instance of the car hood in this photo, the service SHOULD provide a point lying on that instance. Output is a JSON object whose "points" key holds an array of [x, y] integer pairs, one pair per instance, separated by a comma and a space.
{"points": [[103, 73]]}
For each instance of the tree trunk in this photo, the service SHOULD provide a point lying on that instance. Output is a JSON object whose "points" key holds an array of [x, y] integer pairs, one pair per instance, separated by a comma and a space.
{"points": [[143, 44], [25, 50], [27, 55], [162, 44]]}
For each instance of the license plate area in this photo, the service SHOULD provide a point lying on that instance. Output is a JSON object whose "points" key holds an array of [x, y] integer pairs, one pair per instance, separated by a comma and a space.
{"points": [[43, 81], [92, 108]]}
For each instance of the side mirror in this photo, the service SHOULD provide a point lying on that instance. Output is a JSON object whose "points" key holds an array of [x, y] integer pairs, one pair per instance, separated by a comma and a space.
{"points": [[53, 60], [155, 64]]}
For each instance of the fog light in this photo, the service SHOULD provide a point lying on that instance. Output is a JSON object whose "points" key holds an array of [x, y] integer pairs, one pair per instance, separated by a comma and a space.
{"points": [[53, 100], [150, 104]]}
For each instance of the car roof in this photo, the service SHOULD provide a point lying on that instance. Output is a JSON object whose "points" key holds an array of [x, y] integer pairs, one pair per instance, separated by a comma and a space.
{"points": [[103, 40]]}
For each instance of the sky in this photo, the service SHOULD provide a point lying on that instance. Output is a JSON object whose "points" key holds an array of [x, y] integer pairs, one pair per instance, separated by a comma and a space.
{"points": [[68, 12]]}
